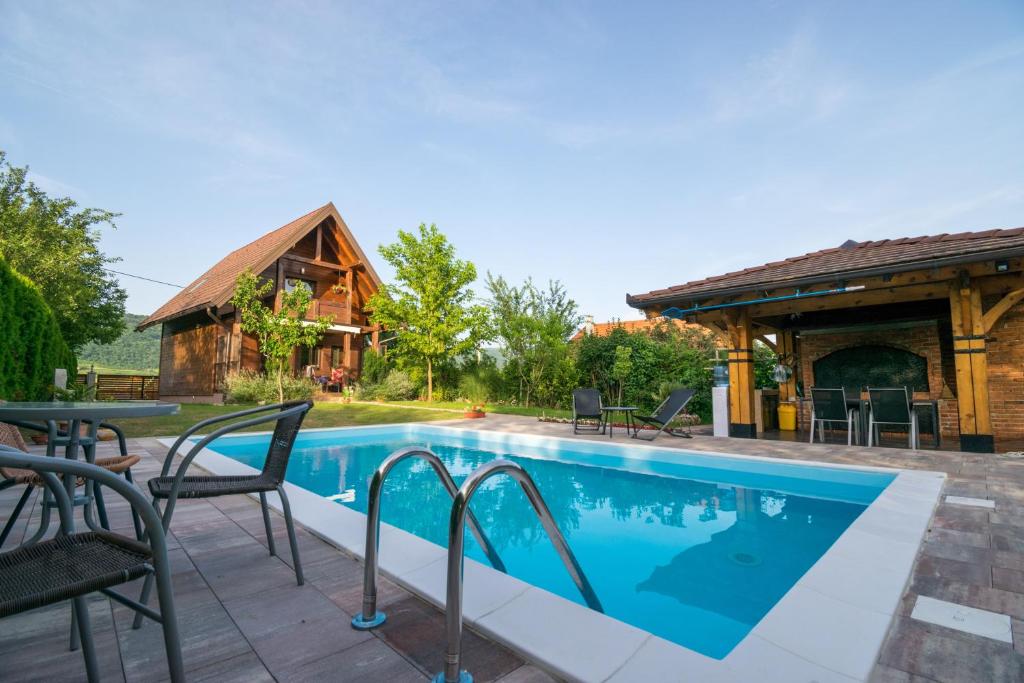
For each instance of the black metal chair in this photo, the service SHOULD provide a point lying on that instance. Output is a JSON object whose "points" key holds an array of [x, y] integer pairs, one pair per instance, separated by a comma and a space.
{"points": [[586, 405], [665, 413], [892, 406], [11, 437], [829, 406], [71, 565], [167, 487]]}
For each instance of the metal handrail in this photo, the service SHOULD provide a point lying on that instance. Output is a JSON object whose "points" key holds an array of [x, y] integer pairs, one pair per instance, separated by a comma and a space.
{"points": [[370, 617], [456, 539]]}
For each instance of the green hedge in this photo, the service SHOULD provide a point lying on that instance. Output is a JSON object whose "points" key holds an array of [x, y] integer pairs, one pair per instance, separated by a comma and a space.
{"points": [[31, 345]]}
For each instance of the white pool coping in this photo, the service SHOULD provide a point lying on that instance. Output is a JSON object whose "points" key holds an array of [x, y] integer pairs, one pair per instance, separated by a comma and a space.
{"points": [[829, 626]]}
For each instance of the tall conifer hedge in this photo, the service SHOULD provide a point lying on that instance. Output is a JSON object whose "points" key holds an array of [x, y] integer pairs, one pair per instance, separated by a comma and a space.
{"points": [[31, 345]]}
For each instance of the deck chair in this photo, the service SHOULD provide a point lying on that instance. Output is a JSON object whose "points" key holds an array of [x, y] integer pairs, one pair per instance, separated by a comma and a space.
{"points": [[891, 406], [829, 406], [665, 413], [586, 405]]}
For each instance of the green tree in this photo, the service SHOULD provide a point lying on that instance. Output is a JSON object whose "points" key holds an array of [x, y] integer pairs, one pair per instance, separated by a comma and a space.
{"points": [[278, 333], [55, 244], [622, 366], [430, 306], [533, 327]]}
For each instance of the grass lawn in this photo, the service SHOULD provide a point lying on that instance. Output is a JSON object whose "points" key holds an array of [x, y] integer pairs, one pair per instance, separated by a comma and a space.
{"points": [[322, 415], [497, 409]]}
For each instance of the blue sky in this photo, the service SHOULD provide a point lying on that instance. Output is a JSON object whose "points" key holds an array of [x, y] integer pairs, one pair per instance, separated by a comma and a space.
{"points": [[619, 147]]}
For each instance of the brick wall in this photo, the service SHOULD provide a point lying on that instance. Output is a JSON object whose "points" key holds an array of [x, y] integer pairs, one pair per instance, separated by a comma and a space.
{"points": [[1006, 373], [927, 339]]}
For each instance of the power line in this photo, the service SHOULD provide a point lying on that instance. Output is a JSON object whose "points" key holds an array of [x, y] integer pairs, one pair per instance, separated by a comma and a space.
{"points": [[147, 279]]}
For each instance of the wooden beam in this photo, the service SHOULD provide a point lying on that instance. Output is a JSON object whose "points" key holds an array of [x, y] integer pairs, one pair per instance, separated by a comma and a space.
{"points": [[992, 316], [741, 374], [767, 342], [314, 262], [979, 365], [319, 241]]}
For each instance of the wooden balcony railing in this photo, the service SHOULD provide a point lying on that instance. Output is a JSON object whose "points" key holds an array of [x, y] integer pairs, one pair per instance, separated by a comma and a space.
{"points": [[339, 312]]}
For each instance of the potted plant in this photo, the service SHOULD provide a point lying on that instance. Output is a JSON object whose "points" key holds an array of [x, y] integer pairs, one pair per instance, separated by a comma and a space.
{"points": [[475, 411], [339, 288]]}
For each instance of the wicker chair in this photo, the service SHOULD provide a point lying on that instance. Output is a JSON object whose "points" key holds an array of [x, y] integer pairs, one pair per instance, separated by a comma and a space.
{"points": [[287, 418], [31, 480], [71, 565]]}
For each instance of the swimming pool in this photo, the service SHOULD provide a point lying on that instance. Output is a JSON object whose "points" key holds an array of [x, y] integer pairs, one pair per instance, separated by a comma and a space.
{"points": [[694, 548]]}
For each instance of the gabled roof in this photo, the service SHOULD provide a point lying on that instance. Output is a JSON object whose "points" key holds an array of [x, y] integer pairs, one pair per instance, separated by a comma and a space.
{"points": [[851, 259], [216, 285]]}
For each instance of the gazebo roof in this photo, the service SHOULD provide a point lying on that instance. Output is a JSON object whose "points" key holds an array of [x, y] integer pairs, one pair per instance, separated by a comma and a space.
{"points": [[851, 259]]}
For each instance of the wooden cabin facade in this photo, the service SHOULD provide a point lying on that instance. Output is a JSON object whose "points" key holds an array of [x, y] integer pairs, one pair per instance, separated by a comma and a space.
{"points": [[942, 314], [202, 341]]}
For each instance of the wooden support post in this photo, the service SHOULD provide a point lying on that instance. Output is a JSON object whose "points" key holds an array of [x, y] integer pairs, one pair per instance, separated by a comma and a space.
{"points": [[971, 368], [741, 375], [319, 242], [375, 339]]}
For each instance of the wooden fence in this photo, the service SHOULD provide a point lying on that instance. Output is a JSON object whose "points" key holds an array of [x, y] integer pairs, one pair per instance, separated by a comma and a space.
{"points": [[126, 387]]}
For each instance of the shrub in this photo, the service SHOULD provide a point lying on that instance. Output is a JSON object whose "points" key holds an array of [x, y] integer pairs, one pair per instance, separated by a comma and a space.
{"points": [[31, 345], [253, 387], [474, 389], [397, 386], [375, 367]]}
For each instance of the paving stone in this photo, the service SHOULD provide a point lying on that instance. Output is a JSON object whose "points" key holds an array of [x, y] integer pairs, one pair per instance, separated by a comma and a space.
{"points": [[368, 661], [952, 536], [964, 572], [924, 650], [1008, 579]]}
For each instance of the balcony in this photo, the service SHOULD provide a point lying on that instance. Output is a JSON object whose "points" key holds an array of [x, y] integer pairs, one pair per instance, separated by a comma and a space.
{"points": [[339, 312]]}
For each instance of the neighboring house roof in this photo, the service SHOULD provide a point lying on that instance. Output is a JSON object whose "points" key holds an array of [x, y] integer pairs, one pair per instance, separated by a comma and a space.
{"points": [[851, 259], [604, 329], [216, 285]]}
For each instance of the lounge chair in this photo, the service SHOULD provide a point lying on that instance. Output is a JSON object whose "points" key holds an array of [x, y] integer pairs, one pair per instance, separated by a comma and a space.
{"points": [[71, 565], [665, 413], [586, 405], [287, 419]]}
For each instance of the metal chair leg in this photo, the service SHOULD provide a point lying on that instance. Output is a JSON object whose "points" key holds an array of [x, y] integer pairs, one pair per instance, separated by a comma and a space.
{"points": [[15, 514], [813, 426], [871, 429], [849, 427], [266, 523], [292, 540], [136, 521], [80, 609]]}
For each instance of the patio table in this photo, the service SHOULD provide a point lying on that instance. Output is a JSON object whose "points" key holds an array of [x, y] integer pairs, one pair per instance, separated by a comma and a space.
{"points": [[75, 413], [627, 411]]}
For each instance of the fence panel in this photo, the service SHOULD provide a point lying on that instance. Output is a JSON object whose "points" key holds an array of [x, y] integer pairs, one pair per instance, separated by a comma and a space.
{"points": [[126, 387]]}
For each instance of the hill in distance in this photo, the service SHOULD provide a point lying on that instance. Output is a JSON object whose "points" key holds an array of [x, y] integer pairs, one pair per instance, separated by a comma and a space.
{"points": [[133, 352]]}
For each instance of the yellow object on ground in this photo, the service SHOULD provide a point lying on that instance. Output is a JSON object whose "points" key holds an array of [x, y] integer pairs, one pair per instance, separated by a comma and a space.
{"points": [[787, 417]]}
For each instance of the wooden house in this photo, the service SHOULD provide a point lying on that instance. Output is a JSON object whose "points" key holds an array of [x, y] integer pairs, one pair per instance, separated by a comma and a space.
{"points": [[202, 341], [942, 314]]}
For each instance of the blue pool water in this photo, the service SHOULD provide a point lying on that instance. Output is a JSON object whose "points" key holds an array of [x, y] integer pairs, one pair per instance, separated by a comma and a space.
{"points": [[693, 548]]}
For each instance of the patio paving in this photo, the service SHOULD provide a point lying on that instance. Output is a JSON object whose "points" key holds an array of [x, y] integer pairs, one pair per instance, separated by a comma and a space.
{"points": [[243, 618]]}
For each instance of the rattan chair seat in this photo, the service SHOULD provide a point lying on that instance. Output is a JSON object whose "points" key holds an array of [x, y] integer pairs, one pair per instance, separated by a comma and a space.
{"points": [[68, 566]]}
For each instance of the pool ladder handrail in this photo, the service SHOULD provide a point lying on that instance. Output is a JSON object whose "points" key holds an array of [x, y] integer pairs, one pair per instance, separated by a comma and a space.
{"points": [[453, 672], [370, 572]]}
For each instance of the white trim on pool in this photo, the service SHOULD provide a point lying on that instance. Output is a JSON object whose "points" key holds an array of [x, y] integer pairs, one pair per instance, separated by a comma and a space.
{"points": [[828, 627]]}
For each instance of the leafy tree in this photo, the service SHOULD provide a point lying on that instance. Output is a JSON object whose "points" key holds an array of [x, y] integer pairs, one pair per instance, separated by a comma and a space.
{"points": [[533, 327], [430, 306], [139, 351], [622, 366], [278, 333], [54, 244]]}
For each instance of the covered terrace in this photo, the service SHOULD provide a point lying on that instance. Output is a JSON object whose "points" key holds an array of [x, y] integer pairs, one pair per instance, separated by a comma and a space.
{"points": [[940, 314]]}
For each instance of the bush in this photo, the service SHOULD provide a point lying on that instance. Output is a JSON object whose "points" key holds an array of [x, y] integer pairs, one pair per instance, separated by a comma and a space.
{"points": [[474, 389], [397, 386], [31, 345], [375, 367], [253, 387]]}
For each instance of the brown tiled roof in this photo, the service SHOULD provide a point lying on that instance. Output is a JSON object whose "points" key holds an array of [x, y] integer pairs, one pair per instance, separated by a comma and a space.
{"points": [[604, 329], [849, 260], [215, 286]]}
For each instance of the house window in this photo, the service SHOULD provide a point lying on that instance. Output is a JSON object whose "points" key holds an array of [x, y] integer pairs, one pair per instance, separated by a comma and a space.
{"points": [[336, 356], [309, 356], [290, 283]]}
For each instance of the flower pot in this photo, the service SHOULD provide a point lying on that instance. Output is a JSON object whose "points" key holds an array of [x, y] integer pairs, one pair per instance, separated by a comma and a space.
{"points": [[474, 414]]}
